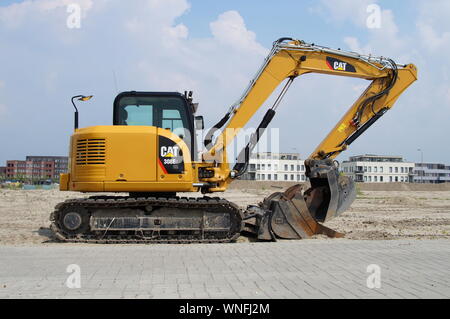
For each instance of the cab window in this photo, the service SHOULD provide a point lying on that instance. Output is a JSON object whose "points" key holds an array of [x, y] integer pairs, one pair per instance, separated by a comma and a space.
{"points": [[137, 115], [171, 120], [161, 111]]}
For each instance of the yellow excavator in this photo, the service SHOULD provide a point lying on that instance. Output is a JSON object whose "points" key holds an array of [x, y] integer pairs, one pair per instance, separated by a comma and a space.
{"points": [[150, 152]]}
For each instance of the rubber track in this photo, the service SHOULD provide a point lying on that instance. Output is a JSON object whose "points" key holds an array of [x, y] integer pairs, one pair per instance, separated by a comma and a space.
{"points": [[130, 202]]}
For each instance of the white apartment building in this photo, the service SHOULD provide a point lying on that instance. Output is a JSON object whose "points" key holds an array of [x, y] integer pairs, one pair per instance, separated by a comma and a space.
{"points": [[434, 173], [378, 169], [276, 167]]}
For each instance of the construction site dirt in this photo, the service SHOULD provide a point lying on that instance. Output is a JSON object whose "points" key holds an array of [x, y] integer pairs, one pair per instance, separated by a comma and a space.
{"points": [[381, 211]]}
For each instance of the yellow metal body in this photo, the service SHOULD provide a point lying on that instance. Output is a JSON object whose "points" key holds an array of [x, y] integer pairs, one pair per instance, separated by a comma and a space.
{"points": [[129, 160], [123, 160]]}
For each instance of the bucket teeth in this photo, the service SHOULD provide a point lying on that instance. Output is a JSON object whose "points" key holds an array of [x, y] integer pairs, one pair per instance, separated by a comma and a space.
{"points": [[295, 214]]}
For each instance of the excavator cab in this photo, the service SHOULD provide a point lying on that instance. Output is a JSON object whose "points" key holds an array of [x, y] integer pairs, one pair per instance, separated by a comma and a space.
{"points": [[168, 110]]}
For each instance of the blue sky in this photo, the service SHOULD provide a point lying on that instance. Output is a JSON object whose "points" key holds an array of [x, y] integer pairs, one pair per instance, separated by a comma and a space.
{"points": [[273, 20], [178, 45], [8, 2]]}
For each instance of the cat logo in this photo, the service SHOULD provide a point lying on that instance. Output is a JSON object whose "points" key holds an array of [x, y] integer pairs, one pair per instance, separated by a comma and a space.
{"points": [[338, 65], [170, 158], [169, 151]]}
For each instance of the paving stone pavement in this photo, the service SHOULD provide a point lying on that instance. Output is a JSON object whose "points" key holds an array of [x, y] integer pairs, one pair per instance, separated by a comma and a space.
{"points": [[290, 269]]}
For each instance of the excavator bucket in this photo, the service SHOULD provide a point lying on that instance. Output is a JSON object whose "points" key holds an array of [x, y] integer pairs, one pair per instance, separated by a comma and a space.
{"points": [[295, 213]]}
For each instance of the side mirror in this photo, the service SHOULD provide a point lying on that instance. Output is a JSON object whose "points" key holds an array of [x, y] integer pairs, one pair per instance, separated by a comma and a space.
{"points": [[199, 123]]}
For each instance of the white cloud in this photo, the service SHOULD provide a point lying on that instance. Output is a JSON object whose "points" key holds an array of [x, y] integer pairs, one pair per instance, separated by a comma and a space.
{"points": [[435, 14], [353, 44], [48, 5], [179, 31], [343, 10], [230, 29], [384, 40], [434, 40]]}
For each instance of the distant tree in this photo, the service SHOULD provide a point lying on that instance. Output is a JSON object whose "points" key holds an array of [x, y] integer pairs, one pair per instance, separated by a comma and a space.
{"points": [[20, 177]]}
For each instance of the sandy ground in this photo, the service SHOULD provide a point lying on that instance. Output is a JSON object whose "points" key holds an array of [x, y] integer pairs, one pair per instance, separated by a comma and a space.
{"points": [[374, 215]]}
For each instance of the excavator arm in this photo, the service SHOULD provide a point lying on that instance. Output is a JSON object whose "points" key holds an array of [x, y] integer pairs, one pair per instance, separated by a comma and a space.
{"points": [[330, 193], [292, 58]]}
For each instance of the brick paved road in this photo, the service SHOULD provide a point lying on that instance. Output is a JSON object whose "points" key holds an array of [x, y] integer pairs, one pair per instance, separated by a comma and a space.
{"points": [[293, 269]]}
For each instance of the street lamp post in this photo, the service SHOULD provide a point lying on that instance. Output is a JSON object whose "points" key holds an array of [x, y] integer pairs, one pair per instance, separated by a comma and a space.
{"points": [[421, 164]]}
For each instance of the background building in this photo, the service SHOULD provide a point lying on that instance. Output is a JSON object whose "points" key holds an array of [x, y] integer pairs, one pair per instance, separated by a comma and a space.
{"points": [[378, 169], [431, 173], [37, 168], [60, 163], [276, 167]]}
